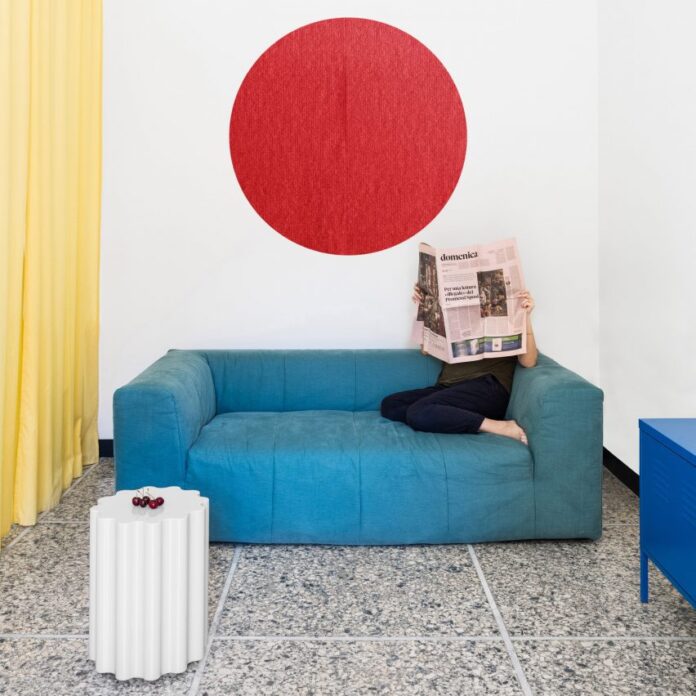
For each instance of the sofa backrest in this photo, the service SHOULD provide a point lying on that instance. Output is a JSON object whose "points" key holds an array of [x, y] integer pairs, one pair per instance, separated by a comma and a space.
{"points": [[302, 380]]}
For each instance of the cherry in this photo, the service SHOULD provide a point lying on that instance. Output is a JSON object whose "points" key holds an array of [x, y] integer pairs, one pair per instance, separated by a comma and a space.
{"points": [[160, 501], [147, 499], [136, 501], [143, 502], [152, 504]]}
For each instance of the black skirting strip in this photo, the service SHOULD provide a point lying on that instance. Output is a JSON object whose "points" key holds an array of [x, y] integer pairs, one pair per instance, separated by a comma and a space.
{"points": [[622, 472], [106, 448]]}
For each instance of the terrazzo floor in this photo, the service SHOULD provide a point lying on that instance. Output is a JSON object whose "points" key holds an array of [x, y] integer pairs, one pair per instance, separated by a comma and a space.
{"points": [[516, 618]]}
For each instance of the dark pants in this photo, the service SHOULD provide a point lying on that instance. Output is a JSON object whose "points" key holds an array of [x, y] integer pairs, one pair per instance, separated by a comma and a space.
{"points": [[457, 409]]}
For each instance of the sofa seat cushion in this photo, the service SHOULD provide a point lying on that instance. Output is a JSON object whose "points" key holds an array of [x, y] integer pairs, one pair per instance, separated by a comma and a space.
{"points": [[354, 477]]}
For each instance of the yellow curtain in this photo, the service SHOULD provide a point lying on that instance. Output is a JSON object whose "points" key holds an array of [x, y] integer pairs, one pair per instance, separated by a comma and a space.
{"points": [[50, 189]]}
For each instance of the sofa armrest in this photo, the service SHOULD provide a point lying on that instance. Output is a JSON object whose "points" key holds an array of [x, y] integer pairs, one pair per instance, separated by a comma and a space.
{"points": [[158, 416], [562, 415]]}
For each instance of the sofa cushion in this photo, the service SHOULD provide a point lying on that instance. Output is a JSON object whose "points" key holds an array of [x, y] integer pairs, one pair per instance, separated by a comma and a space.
{"points": [[301, 380], [355, 477]]}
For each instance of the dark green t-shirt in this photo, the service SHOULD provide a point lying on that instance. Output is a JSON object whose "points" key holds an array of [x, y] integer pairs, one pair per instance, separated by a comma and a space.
{"points": [[502, 369]]}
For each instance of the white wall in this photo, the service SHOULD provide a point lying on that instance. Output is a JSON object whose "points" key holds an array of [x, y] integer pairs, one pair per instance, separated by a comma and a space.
{"points": [[647, 218], [187, 263]]}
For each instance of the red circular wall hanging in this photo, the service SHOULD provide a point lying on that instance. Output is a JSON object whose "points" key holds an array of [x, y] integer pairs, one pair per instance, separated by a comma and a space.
{"points": [[348, 136]]}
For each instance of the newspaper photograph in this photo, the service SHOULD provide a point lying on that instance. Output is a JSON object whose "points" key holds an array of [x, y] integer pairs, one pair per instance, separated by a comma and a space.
{"points": [[470, 309]]}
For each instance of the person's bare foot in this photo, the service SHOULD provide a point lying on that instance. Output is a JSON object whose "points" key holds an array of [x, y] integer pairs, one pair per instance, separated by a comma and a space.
{"points": [[506, 428], [511, 429]]}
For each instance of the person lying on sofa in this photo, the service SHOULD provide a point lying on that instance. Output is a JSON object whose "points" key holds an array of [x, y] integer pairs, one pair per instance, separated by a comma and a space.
{"points": [[469, 397]]}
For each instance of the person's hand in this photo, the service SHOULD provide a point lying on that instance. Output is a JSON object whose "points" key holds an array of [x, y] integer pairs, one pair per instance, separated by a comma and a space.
{"points": [[417, 296], [527, 301]]}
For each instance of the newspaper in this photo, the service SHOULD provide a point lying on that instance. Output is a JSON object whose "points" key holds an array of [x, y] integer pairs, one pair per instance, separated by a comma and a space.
{"points": [[470, 309]]}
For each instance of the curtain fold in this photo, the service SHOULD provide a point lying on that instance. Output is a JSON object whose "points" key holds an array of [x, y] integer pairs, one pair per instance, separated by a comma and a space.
{"points": [[50, 190]]}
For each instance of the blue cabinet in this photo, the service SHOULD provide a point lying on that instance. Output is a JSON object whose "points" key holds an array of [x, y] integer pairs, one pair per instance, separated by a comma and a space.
{"points": [[668, 502]]}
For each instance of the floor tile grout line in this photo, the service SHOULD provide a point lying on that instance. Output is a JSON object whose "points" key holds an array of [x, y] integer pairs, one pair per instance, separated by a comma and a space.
{"points": [[69, 489], [561, 639], [621, 524], [74, 485], [85, 522], [362, 639], [21, 535], [200, 669], [388, 639], [516, 665], [44, 636], [39, 519]]}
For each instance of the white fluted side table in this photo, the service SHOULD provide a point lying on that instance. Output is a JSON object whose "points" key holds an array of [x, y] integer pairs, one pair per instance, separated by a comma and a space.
{"points": [[148, 583]]}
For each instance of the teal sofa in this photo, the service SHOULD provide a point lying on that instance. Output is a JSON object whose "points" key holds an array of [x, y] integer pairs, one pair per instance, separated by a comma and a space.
{"points": [[289, 447]]}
